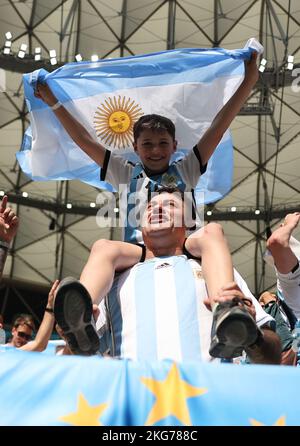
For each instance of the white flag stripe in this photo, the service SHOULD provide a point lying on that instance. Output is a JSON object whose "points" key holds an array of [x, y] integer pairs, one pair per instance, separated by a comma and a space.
{"points": [[128, 307], [166, 312]]}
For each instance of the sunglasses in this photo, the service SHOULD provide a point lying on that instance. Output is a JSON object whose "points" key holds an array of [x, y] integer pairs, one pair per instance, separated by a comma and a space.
{"points": [[23, 335]]}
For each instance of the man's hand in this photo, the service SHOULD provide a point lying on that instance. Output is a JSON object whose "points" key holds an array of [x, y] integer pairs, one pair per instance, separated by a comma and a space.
{"points": [[251, 70], [43, 92], [9, 222], [228, 292], [52, 294], [231, 290]]}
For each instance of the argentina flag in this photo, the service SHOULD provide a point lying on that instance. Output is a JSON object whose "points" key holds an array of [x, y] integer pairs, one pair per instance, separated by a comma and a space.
{"points": [[189, 86]]}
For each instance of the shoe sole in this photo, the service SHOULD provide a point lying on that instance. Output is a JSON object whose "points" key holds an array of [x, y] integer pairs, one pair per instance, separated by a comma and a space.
{"points": [[233, 334], [74, 312]]}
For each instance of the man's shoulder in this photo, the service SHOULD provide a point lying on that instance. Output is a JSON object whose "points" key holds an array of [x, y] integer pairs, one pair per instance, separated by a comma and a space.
{"points": [[122, 159]]}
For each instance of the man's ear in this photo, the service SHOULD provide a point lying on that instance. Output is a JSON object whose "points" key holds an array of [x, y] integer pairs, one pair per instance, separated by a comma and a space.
{"points": [[175, 145], [134, 146]]}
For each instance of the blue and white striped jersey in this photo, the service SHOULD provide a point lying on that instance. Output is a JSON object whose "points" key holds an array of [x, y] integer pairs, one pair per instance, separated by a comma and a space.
{"points": [[183, 174], [157, 311]]}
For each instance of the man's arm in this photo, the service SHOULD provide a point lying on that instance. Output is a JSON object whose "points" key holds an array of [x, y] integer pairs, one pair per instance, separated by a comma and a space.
{"points": [[223, 119], [43, 335], [267, 349], [8, 228], [74, 128]]}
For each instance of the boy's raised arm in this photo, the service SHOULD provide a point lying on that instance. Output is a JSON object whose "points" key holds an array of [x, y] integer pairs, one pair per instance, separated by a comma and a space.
{"points": [[223, 119], [74, 128]]}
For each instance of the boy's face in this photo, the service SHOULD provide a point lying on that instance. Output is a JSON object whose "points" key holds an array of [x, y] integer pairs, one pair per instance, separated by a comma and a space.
{"points": [[155, 149]]}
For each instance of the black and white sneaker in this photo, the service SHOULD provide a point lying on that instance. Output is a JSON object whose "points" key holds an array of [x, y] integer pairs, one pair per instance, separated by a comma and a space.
{"points": [[73, 310], [233, 329]]}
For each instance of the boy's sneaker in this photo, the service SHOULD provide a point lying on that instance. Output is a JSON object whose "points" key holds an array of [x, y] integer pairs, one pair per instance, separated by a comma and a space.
{"points": [[233, 329], [73, 312]]}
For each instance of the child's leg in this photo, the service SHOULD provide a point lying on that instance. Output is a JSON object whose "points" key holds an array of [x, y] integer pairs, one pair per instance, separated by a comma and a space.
{"points": [[106, 257], [233, 327], [210, 244]]}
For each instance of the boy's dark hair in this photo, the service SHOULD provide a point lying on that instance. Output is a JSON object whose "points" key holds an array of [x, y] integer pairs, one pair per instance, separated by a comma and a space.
{"points": [[153, 122]]}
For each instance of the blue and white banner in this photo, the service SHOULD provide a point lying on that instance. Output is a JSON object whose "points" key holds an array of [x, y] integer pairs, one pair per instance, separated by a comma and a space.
{"points": [[43, 390], [188, 86]]}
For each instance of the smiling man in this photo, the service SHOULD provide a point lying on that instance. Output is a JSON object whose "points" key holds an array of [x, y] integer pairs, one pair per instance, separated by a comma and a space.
{"points": [[159, 309]]}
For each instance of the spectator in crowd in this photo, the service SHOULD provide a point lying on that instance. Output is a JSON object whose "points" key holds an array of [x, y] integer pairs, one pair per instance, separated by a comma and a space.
{"points": [[285, 251], [9, 223], [22, 330], [8, 227], [43, 335], [285, 322], [23, 326]]}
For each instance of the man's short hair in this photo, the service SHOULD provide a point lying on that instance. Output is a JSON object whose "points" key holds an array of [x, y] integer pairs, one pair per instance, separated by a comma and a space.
{"points": [[24, 319], [153, 122], [169, 190]]}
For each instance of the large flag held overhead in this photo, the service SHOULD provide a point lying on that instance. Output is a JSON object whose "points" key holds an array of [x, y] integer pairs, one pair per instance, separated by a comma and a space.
{"points": [[187, 85], [44, 390]]}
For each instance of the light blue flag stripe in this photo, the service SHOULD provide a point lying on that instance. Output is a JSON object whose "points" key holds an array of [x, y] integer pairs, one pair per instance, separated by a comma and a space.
{"points": [[161, 68], [144, 291], [217, 180], [85, 80], [41, 390]]}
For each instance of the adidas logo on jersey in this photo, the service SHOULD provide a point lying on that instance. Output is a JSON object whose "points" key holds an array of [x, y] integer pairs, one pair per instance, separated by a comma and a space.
{"points": [[163, 265]]}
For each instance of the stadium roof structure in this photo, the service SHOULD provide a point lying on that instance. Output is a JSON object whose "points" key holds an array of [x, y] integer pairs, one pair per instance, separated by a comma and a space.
{"points": [[53, 240]]}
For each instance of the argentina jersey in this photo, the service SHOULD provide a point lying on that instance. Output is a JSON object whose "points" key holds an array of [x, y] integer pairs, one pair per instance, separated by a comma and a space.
{"points": [[156, 311]]}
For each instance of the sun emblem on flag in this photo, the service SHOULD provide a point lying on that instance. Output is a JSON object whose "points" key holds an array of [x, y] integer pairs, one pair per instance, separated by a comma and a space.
{"points": [[114, 120]]}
